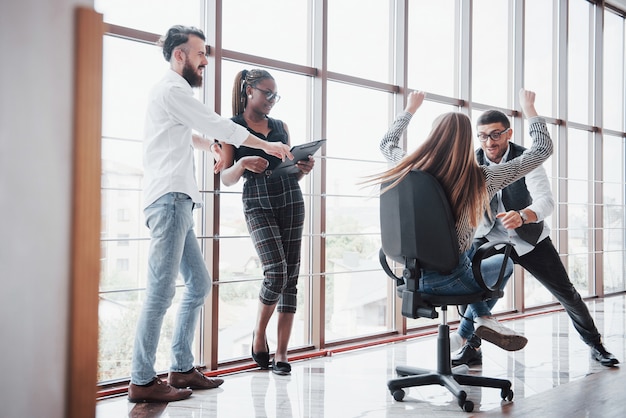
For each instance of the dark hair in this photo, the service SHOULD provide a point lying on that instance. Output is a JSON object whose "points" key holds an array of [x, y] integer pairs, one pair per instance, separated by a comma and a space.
{"points": [[493, 116], [175, 36], [243, 79]]}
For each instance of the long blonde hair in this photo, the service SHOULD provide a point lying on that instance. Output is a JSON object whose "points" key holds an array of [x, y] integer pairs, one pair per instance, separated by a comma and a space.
{"points": [[448, 155]]}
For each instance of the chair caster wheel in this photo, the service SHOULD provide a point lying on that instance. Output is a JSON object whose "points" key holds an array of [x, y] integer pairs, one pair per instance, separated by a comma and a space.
{"points": [[468, 406], [507, 394], [398, 394]]}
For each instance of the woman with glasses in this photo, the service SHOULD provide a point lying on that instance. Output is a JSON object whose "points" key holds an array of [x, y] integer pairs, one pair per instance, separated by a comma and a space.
{"points": [[448, 155], [273, 208]]}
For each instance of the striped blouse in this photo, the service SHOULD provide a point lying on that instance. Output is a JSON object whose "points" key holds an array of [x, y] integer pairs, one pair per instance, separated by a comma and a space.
{"points": [[497, 176]]}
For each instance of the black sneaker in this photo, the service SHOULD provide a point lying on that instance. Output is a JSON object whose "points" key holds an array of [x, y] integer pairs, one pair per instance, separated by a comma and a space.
{"points": [[599, 353], [468, 355], [474, 341]]}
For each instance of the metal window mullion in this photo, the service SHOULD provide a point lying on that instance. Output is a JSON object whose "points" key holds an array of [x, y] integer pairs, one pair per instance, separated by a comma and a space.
{"points": [[596, 280], [209, 317], [463, 46], [562, 24], [400, 51], [315, 315], [517, 19]]}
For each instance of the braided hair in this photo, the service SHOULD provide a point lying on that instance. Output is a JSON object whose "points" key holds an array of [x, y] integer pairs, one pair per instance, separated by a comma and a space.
{"points": [[243, 79]]}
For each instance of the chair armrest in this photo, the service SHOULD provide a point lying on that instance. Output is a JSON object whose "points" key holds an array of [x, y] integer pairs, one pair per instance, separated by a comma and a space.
{"points": [[382, 257], [485, 251]]}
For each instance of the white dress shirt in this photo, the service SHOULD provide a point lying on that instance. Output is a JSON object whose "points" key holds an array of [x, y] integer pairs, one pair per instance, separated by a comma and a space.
{"points": [[543, 204], [168, 153]]}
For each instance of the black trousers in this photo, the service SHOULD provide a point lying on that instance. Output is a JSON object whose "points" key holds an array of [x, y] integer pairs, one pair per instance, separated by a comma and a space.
{"points": [[544, 263]]}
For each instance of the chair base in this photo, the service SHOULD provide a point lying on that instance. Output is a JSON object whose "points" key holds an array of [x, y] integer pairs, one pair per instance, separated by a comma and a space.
{"points": [[445, 375]]}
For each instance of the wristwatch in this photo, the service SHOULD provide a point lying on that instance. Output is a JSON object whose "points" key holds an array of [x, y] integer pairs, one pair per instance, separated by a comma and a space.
{"points": [[522, 215]]}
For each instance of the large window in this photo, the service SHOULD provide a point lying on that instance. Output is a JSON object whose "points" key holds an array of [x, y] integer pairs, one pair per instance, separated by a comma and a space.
{"points": [[614, 68], [579, 208], [342, 68], [151, 16], [440, 74], [491, 53], [278, 29], [369, 21], [540, 53], [614, 214], [579, 66], [356, 295], [121, 290]]}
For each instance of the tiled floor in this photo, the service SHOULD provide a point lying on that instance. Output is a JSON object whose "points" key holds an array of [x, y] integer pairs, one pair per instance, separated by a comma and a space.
{"points": [[353, 383]]}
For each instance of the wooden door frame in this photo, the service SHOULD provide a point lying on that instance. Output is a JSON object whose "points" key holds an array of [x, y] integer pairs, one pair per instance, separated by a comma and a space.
{"points": [[82, 362]]}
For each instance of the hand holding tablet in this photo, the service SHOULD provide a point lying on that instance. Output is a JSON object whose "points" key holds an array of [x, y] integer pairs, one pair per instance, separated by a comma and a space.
{"points": [[300, 152]]}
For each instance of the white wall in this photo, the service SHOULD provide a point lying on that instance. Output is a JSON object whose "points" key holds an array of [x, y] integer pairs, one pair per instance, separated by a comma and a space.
{"points": [[36, 46]]}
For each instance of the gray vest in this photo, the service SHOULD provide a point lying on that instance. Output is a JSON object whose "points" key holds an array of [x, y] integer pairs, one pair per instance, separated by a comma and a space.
{"points": [[515, 196]]}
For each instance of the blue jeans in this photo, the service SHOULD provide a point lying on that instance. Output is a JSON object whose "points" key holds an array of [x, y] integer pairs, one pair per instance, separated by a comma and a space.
{"points": [[461, 281], [174, 248]]}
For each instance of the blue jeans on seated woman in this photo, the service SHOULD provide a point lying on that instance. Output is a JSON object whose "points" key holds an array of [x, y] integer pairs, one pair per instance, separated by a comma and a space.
{"points": [[174, 249], [461, 282]]}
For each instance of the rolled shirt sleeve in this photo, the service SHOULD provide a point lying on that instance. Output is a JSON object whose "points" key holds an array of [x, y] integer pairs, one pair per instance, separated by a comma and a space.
{"points": [[539, 189], [190, 112]]}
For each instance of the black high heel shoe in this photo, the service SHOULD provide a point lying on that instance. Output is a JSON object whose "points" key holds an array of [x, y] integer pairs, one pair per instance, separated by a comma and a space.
{"points": [[281, 367], [262, 359]]}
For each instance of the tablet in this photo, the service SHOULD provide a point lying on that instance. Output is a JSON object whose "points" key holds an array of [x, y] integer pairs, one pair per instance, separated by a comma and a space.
{"points": [[300, 152]]}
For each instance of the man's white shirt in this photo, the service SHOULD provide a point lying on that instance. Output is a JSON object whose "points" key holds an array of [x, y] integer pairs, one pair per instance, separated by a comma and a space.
{"points": [[168, 155]]}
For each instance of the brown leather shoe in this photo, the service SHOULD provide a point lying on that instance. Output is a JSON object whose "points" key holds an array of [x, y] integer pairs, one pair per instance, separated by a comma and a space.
{"points": [[193, 380], [159, 391]]}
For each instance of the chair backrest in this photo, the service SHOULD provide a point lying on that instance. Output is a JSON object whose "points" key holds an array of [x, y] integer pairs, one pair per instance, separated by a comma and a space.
{"points": [[416, 222]]}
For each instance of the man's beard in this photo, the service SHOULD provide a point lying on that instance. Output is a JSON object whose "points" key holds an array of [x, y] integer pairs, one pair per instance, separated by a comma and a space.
{"points": [[191, 75]]}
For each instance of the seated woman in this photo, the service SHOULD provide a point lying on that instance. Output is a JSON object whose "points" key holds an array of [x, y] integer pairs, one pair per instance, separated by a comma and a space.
{"points": [[448, 155]]}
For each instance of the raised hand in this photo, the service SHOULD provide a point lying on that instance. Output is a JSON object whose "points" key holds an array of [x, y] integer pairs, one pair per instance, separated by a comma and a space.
{"points": [[306, 166], [414, 101], [527, 102]]}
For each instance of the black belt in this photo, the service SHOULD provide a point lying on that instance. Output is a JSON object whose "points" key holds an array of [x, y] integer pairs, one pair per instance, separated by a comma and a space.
{"points": [[265, 173]]}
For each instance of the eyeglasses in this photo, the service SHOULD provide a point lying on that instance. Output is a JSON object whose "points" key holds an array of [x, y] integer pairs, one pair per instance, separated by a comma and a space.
{"points": [[495, 136], [269, 95]]}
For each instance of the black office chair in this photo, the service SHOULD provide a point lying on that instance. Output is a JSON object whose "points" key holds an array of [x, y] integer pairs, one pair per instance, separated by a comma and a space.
{"points": [[418, 231]]}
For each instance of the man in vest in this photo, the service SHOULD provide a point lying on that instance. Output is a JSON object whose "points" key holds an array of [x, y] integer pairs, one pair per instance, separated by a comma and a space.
{"points": [[521, 208]]}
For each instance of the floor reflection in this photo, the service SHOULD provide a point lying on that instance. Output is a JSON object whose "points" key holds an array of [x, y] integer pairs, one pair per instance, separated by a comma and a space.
{"points": [[353, 383]]}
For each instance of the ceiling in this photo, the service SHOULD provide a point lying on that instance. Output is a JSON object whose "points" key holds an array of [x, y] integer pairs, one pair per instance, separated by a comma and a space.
{"points": [[621, 4]]}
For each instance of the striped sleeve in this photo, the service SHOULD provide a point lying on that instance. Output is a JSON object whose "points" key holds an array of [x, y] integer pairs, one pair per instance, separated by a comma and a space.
{"points": [[498, 176], [389, 144]]}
